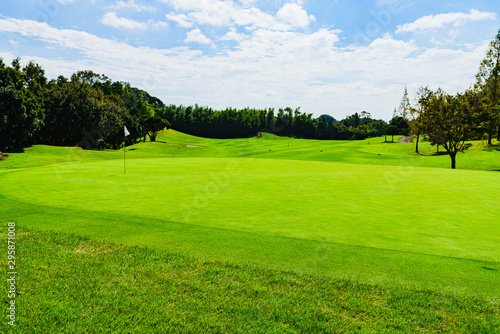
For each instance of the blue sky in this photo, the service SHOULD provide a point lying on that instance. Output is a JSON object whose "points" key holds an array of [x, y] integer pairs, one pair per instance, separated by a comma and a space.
{"points": [[332, 57]]}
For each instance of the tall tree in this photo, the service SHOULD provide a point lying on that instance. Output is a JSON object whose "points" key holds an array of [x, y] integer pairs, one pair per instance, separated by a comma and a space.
{"points": [[417, 113], [488, 80], [404, 107]]}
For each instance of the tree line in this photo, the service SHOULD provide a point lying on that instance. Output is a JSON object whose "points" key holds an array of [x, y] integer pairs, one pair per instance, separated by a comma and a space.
{"points": [[86, 110], [234, 123]]}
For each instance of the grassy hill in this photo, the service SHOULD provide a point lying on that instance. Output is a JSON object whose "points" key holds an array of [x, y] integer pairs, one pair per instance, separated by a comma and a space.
{"points": [[388, 230]]}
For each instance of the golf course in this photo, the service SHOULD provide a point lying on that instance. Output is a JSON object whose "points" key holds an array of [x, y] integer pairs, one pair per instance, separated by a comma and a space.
{"points": [[267, 234]]}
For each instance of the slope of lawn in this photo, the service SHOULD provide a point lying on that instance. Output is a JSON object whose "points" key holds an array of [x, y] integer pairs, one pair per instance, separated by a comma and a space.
{"points": [[373, 151], [77, 285], [368, 213]]}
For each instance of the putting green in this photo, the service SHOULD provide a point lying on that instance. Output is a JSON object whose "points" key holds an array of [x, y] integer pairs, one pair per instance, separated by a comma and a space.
{"points": [[424, 210]]}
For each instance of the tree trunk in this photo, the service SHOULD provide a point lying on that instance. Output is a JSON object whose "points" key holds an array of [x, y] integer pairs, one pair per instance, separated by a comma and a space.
{"points": [[489, 138], [453, 157], [416, 147], [437, 145], [498, 133], [392, 141]]}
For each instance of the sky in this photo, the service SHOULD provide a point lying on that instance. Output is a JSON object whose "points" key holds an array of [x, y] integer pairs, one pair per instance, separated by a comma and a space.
{"points": [[333, 57]]}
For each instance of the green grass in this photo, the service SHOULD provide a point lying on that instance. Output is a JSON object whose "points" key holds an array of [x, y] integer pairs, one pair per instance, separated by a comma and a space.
{"points": [[366, 213], [77, 285]]}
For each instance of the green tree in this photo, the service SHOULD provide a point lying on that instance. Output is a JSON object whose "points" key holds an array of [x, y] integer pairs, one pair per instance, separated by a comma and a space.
{"points": [[34, 76], [449, 123], [488, 81], [155, 124]]}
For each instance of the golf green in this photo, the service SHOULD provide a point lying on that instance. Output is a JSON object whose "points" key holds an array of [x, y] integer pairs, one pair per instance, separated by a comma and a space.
{"points": [[421, 210]]}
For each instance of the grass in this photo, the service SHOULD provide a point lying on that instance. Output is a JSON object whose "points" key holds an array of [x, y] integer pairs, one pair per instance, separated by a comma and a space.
{"points": [[366, 214], [171, 293]]}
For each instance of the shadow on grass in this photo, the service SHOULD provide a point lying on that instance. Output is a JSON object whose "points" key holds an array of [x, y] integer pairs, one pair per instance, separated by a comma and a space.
{"points": [[492, 148], [17, 150]]}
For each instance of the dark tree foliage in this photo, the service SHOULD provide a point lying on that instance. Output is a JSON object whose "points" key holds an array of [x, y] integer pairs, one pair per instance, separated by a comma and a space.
{"points": [[20, 110], [233, 123], [90, 110], [401, 124]]}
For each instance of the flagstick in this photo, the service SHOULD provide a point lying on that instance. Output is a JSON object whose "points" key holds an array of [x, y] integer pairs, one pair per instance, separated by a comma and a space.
{"points": [[124, 138]]}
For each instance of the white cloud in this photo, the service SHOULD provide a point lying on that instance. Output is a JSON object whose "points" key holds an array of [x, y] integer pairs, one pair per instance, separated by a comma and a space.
{"points": [[295, 15], [432, 22], [181, 19], [132, 5], [247, 3], [111, 19], [195, 36], [226, 13], [233, 35]]}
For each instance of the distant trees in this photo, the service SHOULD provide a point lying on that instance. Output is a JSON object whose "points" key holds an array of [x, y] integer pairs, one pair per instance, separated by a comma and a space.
{"points": [[233, 123]]}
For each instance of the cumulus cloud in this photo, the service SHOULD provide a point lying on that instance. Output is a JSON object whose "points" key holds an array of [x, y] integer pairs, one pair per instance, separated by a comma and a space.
{"points": [[432, 22], [181, 19], [111, 19], [195, 36], [295, 15], [226, 13]]}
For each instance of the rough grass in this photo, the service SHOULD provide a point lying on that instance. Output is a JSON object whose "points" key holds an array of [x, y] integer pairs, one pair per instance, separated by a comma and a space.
{"points": [[77, 285]]}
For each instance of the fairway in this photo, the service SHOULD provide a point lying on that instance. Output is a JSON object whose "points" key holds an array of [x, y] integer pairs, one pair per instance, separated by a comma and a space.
{"points": [[246, 201]]}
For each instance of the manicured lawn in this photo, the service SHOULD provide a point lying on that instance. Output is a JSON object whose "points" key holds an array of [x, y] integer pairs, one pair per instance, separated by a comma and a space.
{"points": [[367, 214]]}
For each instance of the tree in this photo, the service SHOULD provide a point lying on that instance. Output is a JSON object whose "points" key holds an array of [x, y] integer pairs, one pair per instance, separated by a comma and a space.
{"points": [[155, 124], [404, 107], [417, 113], [488, 81], [449, 123], [34, 76], [403, 128]]}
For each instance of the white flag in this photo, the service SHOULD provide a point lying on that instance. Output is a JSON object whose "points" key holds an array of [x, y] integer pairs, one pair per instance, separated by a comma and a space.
{"points": [[126, 131]]}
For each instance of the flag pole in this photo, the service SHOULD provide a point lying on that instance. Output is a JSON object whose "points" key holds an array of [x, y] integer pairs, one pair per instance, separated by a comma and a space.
{"points": [[125, 134], [124, 138]]}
